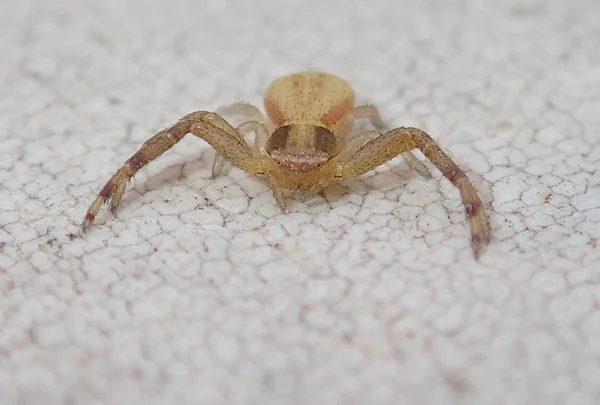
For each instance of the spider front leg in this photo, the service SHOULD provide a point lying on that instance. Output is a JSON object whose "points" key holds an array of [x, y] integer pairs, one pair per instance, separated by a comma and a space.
{"points": [[358, 140], [355, 142], [400, 140], [204, 124]]}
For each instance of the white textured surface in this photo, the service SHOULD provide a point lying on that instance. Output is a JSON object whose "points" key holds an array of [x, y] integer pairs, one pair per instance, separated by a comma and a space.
{"points": [[201, 292]]}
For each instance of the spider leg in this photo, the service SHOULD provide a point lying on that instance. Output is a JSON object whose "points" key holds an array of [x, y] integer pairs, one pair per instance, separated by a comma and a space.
{"points": [[400, 140], [206, 125], [362, 138], [244, 109], [280, 199], [261, 137], [363, 111], [370, 111], [418, 166], [249, 111]]}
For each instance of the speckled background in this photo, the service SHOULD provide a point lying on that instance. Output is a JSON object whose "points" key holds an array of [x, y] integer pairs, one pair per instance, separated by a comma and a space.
{"points": [[200, 291]]}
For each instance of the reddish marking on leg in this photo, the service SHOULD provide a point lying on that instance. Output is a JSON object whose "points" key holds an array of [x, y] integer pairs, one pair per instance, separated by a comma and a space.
{"points": [[470, 208], [275, 113], [89, 218], [106, 190], [470, 201], [336, 112], [454, 174], [137, 161], [476, 240]]}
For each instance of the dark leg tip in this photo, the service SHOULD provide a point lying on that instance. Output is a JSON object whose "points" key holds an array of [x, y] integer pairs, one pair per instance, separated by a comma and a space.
{"points": [[87, 222], [479, 244]]}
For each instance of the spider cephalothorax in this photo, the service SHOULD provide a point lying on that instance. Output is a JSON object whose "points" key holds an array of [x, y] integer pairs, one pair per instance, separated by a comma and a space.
{"points": [[304, 143]]}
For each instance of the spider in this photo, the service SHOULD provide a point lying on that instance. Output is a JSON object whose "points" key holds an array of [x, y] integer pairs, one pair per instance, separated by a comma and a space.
{"points": [[305, 143]]}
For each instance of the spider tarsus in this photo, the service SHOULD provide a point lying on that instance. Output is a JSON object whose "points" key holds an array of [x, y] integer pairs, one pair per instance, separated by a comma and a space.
{"points": [[481, 232], [87, 222], [479, 243], [115, 200]]}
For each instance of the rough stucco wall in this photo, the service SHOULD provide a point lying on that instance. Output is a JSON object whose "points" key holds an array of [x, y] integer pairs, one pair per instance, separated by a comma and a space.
{"points": [[200, 291]]}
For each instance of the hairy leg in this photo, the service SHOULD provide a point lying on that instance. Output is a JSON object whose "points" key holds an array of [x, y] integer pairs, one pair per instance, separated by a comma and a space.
{"points": [[354, 142], [260, 140], [358, 140], [249, 111], [400, 140], [206, 125]]}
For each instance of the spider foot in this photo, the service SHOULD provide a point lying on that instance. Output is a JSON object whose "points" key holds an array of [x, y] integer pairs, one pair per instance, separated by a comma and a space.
{"points": [[111, 192], [481, 231]]}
